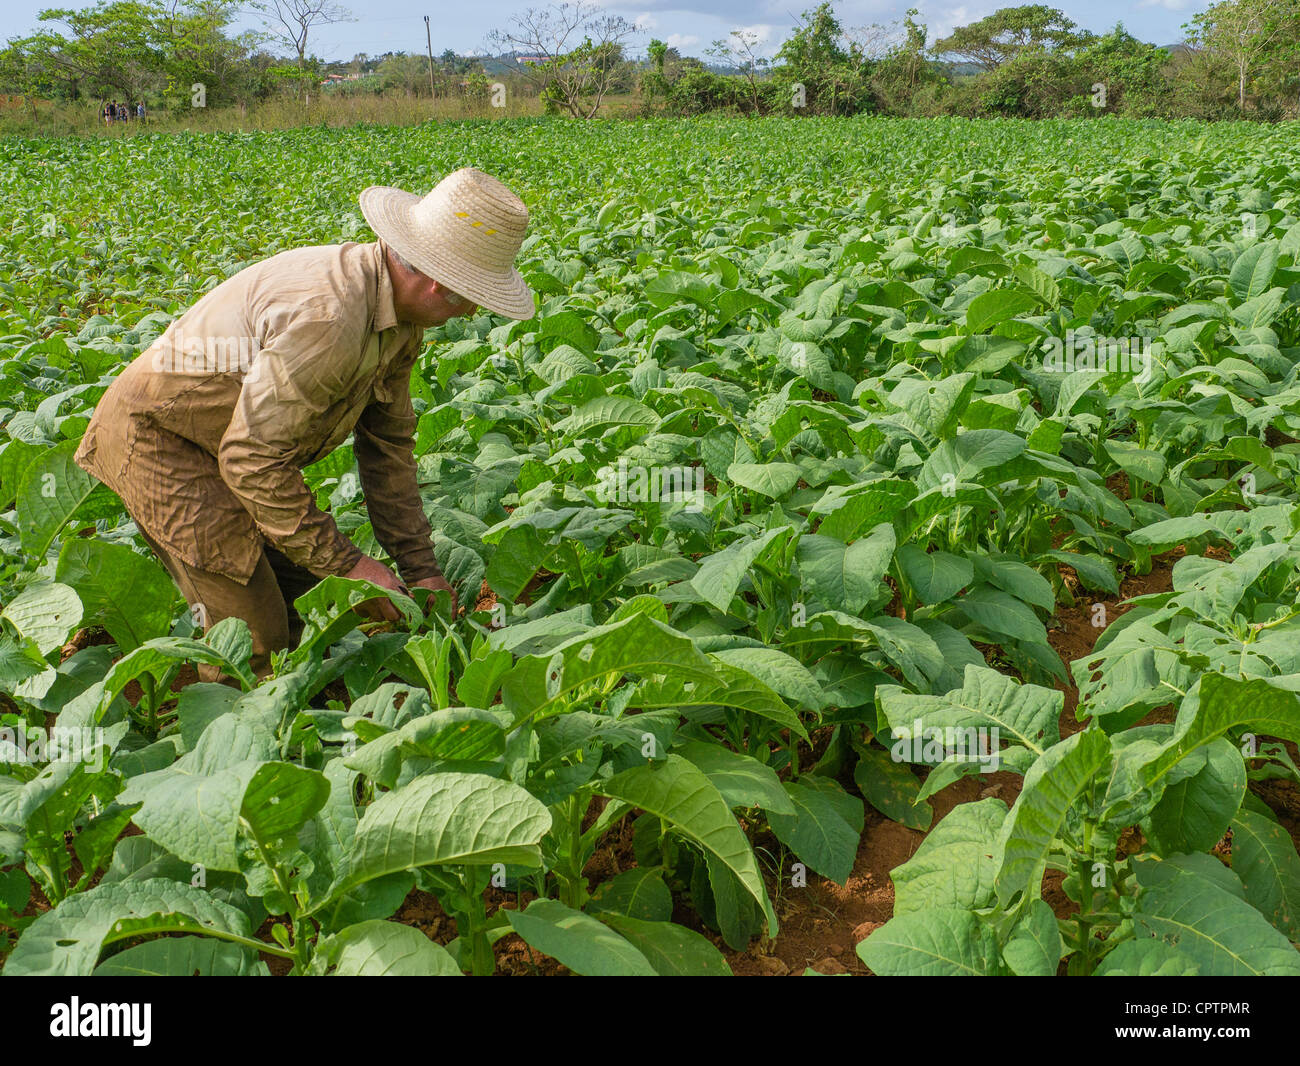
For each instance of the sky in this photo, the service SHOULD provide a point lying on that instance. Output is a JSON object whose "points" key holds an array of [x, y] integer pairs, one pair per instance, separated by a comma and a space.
{"points": [[398, 25]]}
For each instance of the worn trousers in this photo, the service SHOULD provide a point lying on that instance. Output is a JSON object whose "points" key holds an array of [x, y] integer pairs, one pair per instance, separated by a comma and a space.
{"points": [[265, 603]]}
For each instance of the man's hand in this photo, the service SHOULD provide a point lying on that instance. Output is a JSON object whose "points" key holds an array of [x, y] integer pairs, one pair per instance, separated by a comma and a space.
{"points": [[378, 609], [439, 584]]}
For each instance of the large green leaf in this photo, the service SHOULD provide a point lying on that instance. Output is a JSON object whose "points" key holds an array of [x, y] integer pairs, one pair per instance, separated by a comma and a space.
{"points": [[773, 480], [193, 807], [1052, 786], [782, 673], [973, 456], [604, 412], [934, 576], [743, 780], [1146, 958], [956, 863], [1264, 857], [378, 948], [1194, 812], [638, 644], [682, 795], [1252, 273], [673, 950], [52, 490], [45, 614], [932, 943], [720, 575], [66, 941], [1226, 703], [889, 786], [583, 944], [729, 687], [1033, 948], [936, 405], [995, 307], [863, 507], [1027, 715], [127, 593], [825, 828], [446, 819], [463, 734], [846, 577], [637, 893], [1220, 933], [184, 956]]}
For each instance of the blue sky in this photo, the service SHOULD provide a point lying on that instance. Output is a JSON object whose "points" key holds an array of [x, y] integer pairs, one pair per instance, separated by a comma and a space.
{"points": [[398, 25]]}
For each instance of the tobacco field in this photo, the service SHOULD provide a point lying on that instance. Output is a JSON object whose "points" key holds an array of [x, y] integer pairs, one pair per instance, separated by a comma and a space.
{"points": [[787, 480]]}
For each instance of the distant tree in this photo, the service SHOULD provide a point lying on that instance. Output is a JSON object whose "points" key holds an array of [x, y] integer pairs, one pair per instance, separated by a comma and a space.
{"points": [[814, 56], [912, 52], [1245, 32], [1284, 53], [404, 73], [113, 48], [289, 22], [1007, 32], [874, 42], [1132, 71], [740, 51], [25, 71], [654, 82], [199, 50], [658, 53], [815, 46], [578, 49]]}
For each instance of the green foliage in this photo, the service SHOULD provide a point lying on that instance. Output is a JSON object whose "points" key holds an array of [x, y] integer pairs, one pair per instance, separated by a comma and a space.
{"points": [[781, 463]]}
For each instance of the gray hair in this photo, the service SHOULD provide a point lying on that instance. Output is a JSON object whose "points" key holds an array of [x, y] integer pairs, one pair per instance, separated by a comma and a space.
{"points": [[401, 261]]}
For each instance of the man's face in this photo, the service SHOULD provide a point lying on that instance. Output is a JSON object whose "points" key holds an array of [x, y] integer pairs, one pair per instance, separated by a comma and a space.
{"points": [[421, 300]]}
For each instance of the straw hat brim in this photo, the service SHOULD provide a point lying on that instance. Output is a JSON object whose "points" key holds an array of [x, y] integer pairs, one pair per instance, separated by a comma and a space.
{"points": [[388, 211]]}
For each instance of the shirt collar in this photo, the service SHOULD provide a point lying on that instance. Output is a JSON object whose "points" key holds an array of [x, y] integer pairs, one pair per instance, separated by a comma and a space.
{"points": [[397, 349], [385, 312]]}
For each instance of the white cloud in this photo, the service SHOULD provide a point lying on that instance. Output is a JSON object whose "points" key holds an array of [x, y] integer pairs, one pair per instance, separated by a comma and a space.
{"points": [[646, 22], [762, 32], [681, 40], [943, 21], [1168, 5]]}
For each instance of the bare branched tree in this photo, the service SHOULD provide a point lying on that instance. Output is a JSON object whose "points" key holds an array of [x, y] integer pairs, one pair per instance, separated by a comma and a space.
{"points": [[572, 52], [875, 41], [740, 50], [289, 22]]}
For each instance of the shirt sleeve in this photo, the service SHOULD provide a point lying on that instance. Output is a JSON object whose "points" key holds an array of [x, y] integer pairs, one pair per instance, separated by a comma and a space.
{"points": [[293, 381], [383, 442]]}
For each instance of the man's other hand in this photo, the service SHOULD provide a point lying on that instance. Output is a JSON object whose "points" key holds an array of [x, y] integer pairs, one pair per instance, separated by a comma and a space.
{"points": [[378, 609], [439, 584]]}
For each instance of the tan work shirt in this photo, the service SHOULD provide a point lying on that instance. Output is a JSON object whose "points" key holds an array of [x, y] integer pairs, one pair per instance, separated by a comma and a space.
{"points": [[204, 435]]}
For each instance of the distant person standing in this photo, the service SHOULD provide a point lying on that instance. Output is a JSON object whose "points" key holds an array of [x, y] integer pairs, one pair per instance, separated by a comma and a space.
{"points": [[104, 112], [139, 110]]}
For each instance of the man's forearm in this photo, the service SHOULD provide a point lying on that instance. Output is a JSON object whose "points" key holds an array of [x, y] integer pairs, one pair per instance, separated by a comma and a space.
{"points": [[383, 446]]}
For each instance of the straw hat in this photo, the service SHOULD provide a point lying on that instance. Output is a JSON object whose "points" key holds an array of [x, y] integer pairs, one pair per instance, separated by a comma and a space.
{"points": [[464, 234]]}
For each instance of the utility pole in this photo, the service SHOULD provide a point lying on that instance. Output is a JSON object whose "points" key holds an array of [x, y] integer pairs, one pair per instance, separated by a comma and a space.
{"points": [[428, 36]]}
